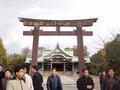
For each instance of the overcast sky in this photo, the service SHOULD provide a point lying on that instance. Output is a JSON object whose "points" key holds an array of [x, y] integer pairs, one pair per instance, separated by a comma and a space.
{"points": [[11, 30]]}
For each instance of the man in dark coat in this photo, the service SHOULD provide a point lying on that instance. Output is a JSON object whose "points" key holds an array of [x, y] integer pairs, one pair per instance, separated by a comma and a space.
{"points": [[85, 82], [111, 81], [37, 79], [102, 80], [54, 81]]}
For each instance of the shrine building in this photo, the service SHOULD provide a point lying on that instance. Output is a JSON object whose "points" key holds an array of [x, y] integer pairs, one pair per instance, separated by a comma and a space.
{"points": [[62, 60]]}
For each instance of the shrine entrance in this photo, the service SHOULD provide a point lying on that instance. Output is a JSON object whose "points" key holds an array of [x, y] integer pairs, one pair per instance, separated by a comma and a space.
{"points": [[58, 66], [58, 59], [58, 62], [79, 32]]}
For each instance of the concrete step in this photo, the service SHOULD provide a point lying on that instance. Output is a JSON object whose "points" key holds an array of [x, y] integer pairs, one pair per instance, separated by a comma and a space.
{"points": [[47, 73]]}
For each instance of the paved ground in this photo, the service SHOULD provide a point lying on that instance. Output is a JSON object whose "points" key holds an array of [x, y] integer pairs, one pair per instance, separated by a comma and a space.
{"points": [[69, 82], [66, 87]]}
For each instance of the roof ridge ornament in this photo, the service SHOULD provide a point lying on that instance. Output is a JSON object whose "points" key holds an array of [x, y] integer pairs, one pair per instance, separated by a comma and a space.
{"points": [[58, 45]]}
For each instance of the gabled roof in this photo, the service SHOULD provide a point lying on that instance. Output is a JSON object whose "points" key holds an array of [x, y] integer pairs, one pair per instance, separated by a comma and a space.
{"points": [[58, 51], [48, 54]]}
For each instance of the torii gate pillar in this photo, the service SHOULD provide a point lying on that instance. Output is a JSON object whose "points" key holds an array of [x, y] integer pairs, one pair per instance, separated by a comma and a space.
{"points": [[35, 44], [80, 49]]}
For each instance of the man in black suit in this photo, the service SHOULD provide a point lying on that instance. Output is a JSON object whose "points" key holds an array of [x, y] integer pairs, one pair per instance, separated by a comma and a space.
{"points": [[37, 78], [85, 82]]}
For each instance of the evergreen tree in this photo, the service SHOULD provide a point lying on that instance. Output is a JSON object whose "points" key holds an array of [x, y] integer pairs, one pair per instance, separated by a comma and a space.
{"points": [[3, 57]]}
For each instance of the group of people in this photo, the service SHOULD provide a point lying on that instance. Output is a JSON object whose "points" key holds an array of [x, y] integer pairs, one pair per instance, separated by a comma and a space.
{"points": [[108, 80], [21, 80]]}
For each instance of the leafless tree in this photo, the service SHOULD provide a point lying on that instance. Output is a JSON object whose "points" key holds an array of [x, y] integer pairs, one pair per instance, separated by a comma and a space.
{"points": [[25, 51]]}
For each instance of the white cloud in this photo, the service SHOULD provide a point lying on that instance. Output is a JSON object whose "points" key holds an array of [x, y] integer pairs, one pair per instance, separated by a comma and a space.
{"points": [[11, 29]]}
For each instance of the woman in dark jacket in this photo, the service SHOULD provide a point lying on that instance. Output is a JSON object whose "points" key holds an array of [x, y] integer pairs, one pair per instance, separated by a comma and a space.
{"points": [[8, 76], [54, 81]]}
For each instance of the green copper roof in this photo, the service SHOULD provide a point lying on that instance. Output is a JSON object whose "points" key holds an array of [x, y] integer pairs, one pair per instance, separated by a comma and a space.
{"points": [[58, 51], [48, 54]]}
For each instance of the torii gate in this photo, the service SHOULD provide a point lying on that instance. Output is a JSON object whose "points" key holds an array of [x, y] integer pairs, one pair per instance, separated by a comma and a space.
{"points": [[37, 23]]}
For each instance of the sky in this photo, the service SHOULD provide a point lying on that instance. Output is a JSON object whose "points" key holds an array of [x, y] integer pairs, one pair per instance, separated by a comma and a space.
{"points": [[11, 30]]}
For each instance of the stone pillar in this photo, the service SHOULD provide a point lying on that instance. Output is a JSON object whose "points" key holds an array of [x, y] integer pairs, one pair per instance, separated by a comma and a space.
{"points": [[64, 67], [42, 66], [51, 66], [73, 67]]}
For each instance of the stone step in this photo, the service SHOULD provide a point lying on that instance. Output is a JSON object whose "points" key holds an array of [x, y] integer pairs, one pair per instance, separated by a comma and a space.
{"points": [[47, 73]]}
